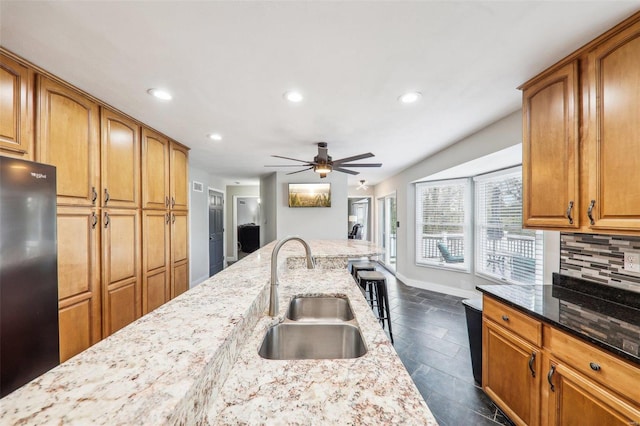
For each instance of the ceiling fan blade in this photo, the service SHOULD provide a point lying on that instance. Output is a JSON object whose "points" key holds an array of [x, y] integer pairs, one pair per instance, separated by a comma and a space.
{"points": [[285, 165], [300, 171], [351, 172], [361, 165], [289, 158], [354, 158]]}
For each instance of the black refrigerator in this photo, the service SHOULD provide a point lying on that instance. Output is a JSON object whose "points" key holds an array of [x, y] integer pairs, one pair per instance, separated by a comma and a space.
{"points": [[28, 272]]}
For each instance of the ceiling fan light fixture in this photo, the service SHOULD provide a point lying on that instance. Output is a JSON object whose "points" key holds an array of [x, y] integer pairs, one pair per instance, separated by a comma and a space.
{"points": [[323, 169], [410, 97], [293, 96]]}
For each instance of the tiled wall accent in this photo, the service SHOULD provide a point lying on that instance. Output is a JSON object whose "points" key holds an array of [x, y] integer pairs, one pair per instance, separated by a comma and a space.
{"points": [[598, 258]]}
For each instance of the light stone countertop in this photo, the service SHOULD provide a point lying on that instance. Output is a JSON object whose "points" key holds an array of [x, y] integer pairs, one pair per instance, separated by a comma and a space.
{"points": [[194, 360]]}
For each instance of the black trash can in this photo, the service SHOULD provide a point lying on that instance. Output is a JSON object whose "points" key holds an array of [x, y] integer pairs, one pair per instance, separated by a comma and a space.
{"points": [[473, 311]]}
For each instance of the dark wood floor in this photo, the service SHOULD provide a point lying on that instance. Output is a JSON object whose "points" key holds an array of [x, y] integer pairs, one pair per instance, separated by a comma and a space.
{"points": [[430, 333]]}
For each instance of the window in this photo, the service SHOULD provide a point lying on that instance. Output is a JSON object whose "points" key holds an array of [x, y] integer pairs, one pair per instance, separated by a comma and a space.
{"points": [[504, 250], [442, 223]]}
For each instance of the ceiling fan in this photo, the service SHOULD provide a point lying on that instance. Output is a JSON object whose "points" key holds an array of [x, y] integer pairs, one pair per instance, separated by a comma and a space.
{"points": [[324, 164]]}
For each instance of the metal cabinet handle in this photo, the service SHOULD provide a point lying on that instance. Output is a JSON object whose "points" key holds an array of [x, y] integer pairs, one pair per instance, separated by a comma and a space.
{"points": [[166, 201], [569, 212], [106, 196], [505, 318], [106, 219], [94, 220], [173, 202], [531, 361], [590, 212], [94, 195], [173, 218], [550, 376], [594, 366], [168, 218]]}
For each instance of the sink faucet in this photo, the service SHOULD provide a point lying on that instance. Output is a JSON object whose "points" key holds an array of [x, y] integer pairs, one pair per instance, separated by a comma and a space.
{"points": [[273, 297]]}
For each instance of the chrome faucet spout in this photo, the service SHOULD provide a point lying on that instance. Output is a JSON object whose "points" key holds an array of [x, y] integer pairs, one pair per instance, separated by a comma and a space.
{"points": [[273, 294]]}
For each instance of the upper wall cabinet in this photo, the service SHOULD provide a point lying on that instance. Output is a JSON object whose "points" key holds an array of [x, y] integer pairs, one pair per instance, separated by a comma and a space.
{"points": [[155, 170], [68, 138], [16, 109], [120, 177], [179, 176], [613, 140], [581, 133]]}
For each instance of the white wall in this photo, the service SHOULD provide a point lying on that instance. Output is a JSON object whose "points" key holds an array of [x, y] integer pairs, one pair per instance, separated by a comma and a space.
{"points": [[320, 223], [199, 223], [499, 135], [247, 210], [269, 211]]}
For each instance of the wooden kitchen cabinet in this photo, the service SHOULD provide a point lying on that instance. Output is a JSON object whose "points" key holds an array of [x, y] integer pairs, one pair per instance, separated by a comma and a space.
{"points": [[550, 150], [613, 151], [581, 161], [511, 373], [179, 176], [575, 400], [68, 138], [155, 170], [156, 271], [120, 162], [16, 109], [179, 253], [78, 279], [121, 269]]}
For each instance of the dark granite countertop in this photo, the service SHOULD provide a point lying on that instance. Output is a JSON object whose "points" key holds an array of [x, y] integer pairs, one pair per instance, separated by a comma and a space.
{"points": [[612, 326]]}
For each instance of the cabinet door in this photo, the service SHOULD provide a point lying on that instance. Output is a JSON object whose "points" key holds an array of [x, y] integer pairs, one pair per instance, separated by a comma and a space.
{"points": [[179, 176], [16, 106], [574, 400], [550, 151], [120, 268], [68, 139], [155, 170], [155, 261], [179, 253], [78, 279], [511, 373], [120, 177], [614, 132]]}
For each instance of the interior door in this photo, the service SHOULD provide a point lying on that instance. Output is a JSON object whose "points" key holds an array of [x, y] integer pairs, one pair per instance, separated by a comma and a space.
{"points": [[216, 231], [387, 226]]}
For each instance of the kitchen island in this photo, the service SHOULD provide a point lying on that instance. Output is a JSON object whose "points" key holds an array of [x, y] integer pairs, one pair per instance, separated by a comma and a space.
{"points": [[194, 360]]}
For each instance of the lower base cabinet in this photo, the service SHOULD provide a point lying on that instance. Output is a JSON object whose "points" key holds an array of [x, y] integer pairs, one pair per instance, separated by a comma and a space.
{"points": [[564, 381]]}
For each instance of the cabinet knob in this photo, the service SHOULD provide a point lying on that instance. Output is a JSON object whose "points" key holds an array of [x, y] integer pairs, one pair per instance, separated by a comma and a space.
{"points": [[594, 366], [505, 318], [569, 208]]}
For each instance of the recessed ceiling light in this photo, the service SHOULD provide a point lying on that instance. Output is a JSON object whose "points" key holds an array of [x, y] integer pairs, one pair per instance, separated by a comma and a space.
{"points": [[160, 94], [214, 136], [409, 98], [293, 96]]}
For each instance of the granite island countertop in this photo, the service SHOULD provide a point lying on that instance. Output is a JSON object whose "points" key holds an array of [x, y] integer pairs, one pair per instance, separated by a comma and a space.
{"points": [[194, 360]]}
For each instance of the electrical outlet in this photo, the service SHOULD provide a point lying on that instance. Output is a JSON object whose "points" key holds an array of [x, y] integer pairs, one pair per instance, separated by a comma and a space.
{"points": [[632, 262]]}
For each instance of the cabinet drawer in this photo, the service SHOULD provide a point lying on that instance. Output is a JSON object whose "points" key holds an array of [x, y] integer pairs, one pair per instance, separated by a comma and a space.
{"points": [[596, 364], [525, 326]]}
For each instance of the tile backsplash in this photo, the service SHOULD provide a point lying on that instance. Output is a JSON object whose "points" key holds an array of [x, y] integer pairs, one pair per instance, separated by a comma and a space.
{"points": [[599, 258]]}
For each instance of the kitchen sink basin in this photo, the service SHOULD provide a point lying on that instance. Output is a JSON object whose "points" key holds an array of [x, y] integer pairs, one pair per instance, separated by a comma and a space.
{"points": [[293, 341], [325, 309]]}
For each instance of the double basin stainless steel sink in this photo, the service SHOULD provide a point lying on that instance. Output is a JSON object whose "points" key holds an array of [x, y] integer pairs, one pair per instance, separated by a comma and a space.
{"points": [[320, 327]]}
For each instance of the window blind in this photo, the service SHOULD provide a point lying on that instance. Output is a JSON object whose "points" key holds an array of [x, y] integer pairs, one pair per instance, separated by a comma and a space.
{"points": [[442, 223], [504, 250]]}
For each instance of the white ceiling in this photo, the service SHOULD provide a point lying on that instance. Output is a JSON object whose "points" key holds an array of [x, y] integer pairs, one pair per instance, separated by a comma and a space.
{"points": [[228, 64]]}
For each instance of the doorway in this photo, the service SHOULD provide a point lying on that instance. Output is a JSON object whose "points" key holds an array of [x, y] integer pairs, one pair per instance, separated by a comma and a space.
{"points": [[359, 209], [246, 228], [388, 229], [216, 231]]}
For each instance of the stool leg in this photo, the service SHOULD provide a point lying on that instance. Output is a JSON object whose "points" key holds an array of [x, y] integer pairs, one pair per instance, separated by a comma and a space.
{"points": [[387, 308]]}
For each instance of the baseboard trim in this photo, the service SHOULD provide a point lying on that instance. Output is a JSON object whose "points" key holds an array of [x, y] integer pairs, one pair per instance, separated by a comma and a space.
{"points": [[439, 288], [198, 281]]}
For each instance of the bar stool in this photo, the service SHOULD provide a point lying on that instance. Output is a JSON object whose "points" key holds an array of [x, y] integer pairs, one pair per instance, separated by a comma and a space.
{"points": [[361, 266], [375, 284]]}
